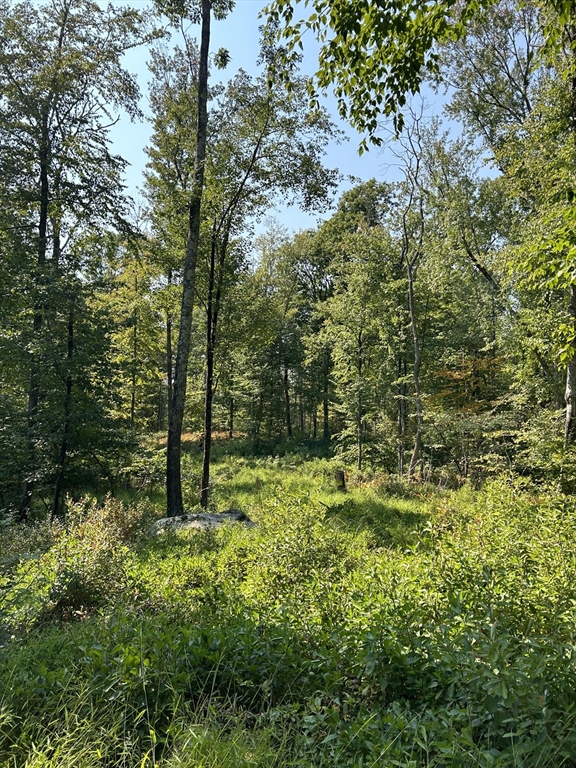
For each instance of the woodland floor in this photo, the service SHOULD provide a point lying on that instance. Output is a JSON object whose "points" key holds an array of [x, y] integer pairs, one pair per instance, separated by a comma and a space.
{"points": [[390, 625]]}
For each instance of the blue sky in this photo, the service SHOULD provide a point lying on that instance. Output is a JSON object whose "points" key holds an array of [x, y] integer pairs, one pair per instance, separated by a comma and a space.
{"points": [[240, 35]]}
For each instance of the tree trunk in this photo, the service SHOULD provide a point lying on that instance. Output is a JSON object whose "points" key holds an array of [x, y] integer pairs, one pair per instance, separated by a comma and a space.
{"points": [[401, 414], [287, 403], [169, 372], [66, 427], [231, 418], [173, 472], [134, 360], [359, 444], [207, 439], [34, 390], [325, 384], [570, 394], [415, 369]]}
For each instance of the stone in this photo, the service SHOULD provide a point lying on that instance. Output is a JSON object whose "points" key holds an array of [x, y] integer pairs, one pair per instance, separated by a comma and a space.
{"points": [[201, 521]]}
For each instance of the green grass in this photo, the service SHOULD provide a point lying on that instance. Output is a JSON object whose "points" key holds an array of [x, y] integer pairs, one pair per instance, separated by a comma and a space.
{"points": [[389, 625]]}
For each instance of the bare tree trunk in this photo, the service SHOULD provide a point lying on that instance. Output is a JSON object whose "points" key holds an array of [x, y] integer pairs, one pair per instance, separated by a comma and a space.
{"points": [[134, 359], [325, 385], [231, 418], [173, 474], [401, 414], [359, 406], [287, 403], [34, 390], [570, 394], [207, 438], [66, 427], [209, 391], [215, 281], [415, 369], [169, 371]]}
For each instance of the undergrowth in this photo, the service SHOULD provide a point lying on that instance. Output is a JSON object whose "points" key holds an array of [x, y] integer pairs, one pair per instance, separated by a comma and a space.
{"points": [[390, 625]]}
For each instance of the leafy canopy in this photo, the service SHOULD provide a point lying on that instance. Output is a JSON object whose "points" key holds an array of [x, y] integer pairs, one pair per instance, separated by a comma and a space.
{"points": [[373, 52]]}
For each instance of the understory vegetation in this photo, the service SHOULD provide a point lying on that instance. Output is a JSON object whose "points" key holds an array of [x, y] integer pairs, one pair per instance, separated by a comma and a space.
{"points": [[391, 624]]}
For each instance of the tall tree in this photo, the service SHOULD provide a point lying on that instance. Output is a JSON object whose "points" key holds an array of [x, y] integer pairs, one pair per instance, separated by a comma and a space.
{"points": [[61, 74], [201, 14]]}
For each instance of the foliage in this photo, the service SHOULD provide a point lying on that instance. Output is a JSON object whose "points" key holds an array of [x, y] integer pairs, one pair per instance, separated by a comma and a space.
{"points": [[372, 53]]}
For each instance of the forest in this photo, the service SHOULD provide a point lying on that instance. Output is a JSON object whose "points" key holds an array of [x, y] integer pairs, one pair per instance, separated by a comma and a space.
{"points": [[187, 353]]}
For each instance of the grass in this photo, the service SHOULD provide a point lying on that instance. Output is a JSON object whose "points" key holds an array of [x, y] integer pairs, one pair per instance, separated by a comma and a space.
{"points": [[389, 625]]}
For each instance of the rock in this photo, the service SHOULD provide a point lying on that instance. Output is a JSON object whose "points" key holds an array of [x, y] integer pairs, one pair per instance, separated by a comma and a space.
{"points": [[201, 521]]}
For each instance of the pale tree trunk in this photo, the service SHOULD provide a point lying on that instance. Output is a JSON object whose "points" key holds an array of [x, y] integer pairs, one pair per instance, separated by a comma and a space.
{"points": [[173, 471]]}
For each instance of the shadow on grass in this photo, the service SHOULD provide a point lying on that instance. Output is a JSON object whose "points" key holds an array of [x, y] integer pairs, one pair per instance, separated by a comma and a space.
{"points": [[391, 522]]}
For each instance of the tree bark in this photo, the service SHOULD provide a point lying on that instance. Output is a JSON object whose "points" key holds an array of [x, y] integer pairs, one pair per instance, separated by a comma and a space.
{"points": [[287, 403], [66, 426], [215, 282], [34, 390], [173, 458], [415, 368], [570, 393], [169, 371], [401, 414], [325, 386], [359, 444]]}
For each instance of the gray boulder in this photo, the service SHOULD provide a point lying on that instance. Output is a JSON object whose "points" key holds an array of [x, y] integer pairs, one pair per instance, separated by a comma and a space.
{"points": [[201, 521]]}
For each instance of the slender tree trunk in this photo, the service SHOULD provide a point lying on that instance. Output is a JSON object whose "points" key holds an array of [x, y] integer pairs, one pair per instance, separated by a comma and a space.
{"points": [[401, 414], [415, 369], [66, 427], [209, 391], [169, 371], [315, 422], [34, 390], [570, 394], [231, 418], [287, 403], [215, 283], [134, 360], [173, 474], [207, 440], [325, 386], [359, 407]]}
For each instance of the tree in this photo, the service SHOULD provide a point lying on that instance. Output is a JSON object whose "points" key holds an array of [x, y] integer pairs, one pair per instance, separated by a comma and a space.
{"points": [[373, 52], [60, 76], [178, 399]]}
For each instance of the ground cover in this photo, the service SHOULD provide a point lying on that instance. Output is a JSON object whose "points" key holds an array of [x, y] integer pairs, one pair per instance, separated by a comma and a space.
{"points": [[390, 625]]}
